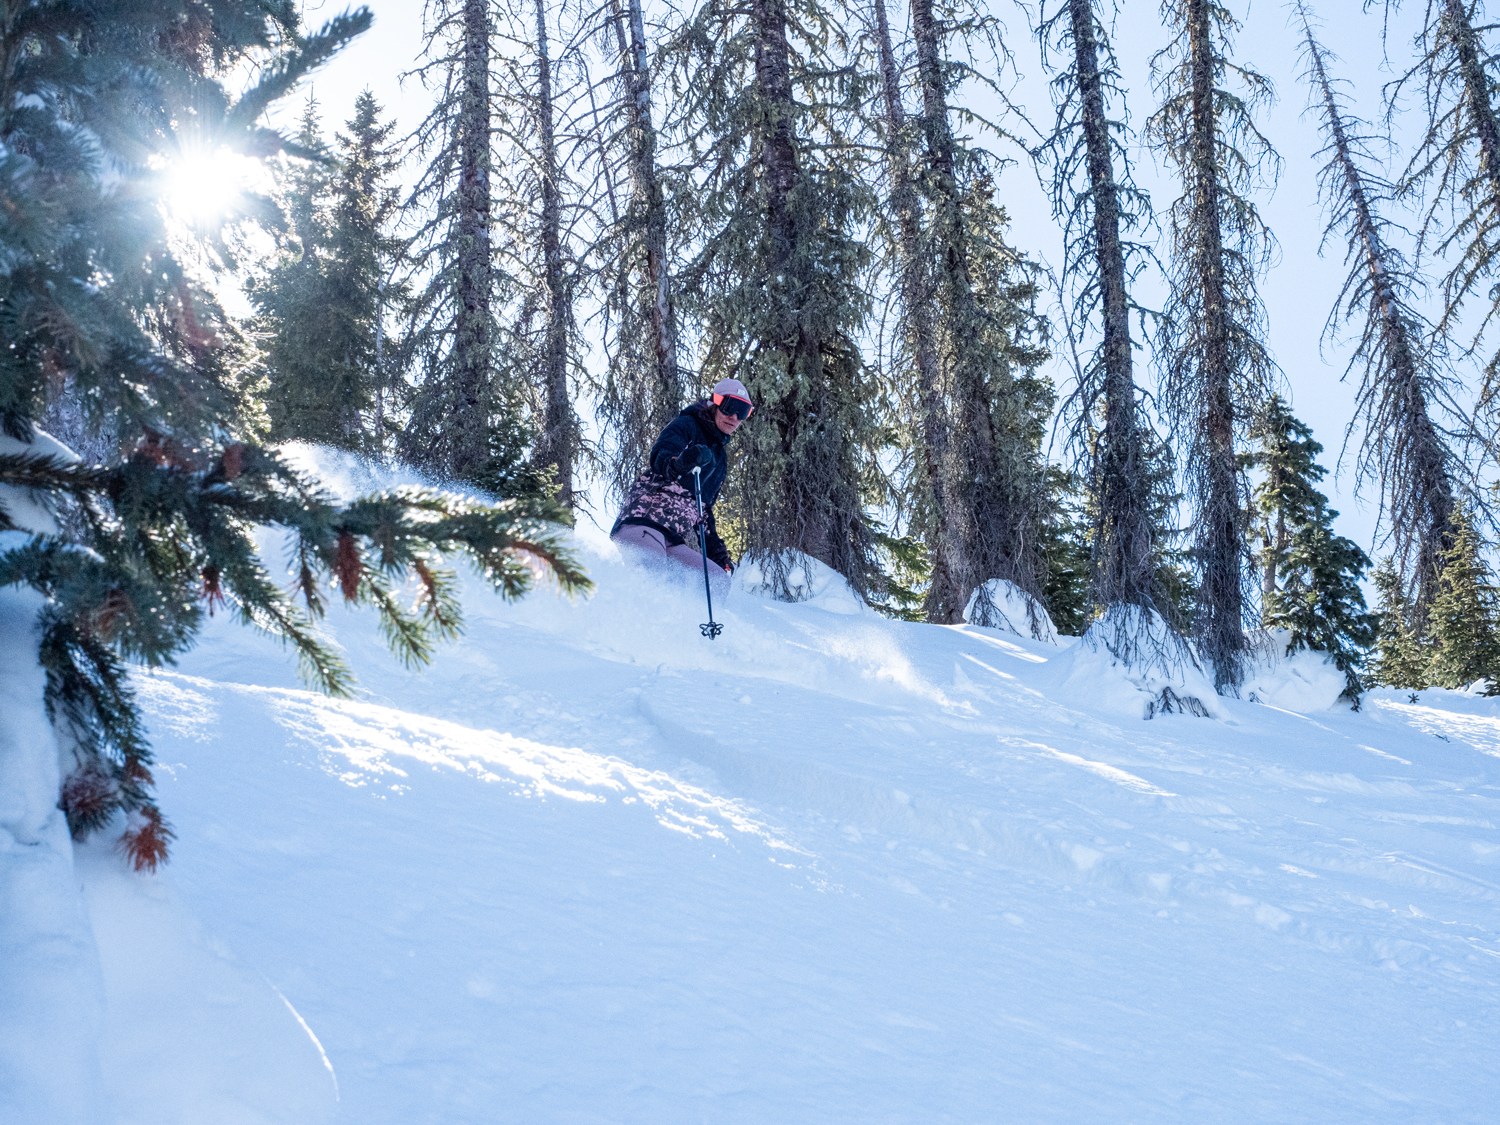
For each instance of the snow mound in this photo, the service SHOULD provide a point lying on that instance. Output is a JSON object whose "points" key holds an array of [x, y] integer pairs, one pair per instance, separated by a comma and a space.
{"points": [[50, 996], [1003, 605], [810, 581], [240, 1051], [1302, 681], [1130, 663]]}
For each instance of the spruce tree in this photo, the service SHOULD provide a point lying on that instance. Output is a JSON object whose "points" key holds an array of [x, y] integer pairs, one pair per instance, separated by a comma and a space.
{"points": [[1400, 659], [1310, 575], [971, 339], [533, 205], [645, 385], [766, 91], [365, 258], [1286, 495], [949, 569], [1103, 213], [1406, 389], [1217, 367], [91, 287], [323, 305], [290, 300], [470, 416], [1066, 548], [1004, 403], [1456, 163], [1465, 630]]}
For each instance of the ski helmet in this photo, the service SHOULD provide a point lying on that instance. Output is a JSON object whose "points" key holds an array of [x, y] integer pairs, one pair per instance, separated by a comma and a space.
{"points": [[733, 389]]}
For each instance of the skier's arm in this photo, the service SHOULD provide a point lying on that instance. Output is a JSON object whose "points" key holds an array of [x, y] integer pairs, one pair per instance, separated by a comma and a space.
{"points": [[672, 451]]}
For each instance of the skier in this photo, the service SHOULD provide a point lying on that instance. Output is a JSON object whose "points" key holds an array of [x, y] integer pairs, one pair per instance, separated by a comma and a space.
{"points": [[659, 519]]}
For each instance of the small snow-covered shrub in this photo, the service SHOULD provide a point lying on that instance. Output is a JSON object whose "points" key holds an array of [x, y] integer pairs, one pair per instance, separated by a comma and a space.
{"points": [[1003, 605]]}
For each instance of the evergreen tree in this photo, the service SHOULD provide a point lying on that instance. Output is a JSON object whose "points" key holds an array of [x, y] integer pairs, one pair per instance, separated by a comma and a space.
{"points": [[322, 306], [1310, 576], [291, 306], [1457, 160], [1096, 198], [531, 190], [468, 422], [1066, 548], [1218, 370], [1405, 387], [1004, 404], [308, 183], [90, 286], [1400, 659], [364, 260], [971, 337], [1286, 496], [949, 568], [766, 95], [1465, 613], [645, 384]]}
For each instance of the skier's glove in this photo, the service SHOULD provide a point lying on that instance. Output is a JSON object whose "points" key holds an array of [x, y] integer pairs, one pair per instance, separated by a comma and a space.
{"points": [[693, 457]]}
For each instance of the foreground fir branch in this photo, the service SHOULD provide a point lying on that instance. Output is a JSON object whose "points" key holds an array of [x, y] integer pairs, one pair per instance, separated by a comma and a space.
{"points": [[172, 535], [172, 539]]}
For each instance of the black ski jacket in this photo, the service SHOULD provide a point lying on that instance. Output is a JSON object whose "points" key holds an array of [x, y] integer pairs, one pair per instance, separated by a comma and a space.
{"points": [[662, 496]]}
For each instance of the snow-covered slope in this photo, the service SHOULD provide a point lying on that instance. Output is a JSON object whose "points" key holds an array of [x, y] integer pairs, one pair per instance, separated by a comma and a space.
{"points": [[828, 867]]}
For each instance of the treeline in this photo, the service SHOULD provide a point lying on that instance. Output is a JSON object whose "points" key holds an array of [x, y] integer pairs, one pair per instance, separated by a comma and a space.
{"points": [[614, 208], [608, 208]]}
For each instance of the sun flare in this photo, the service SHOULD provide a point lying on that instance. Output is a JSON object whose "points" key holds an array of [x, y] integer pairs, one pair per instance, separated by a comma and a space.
{"points": [[203, 189]]}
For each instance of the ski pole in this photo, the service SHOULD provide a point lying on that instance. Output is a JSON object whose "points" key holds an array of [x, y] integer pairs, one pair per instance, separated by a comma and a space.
{"points": [[711, 628]]}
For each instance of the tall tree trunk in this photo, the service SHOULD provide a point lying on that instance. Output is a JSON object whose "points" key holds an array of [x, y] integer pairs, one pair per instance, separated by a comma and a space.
{"points": [[1396, 392], [557, 446], [773, 72], [1220, 625], [648, 204], [1123, 555], [1477, 91], [778, 156], [464, 435], [947, 594], [797, 341], [993, 504], [645, 385], [781, 296]]}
